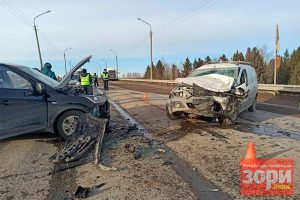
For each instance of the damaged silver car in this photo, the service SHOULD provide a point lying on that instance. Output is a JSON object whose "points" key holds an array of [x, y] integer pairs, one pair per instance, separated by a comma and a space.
{"points": [[219, 91]]}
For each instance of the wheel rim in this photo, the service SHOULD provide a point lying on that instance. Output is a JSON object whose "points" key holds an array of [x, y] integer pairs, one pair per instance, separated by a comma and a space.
{"points": [[69, 125]]}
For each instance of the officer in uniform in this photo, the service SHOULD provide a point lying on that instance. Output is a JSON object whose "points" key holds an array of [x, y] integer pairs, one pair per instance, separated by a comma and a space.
{"points": [[86, 81], [95, 79], [105, 78]]}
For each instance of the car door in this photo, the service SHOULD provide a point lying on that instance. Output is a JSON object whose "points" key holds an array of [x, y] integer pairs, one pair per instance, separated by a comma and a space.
{"points": [[251, 86], [244, 79], [22, 110]]}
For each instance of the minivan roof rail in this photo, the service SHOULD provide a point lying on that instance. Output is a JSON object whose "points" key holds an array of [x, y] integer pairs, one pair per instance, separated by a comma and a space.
{"points": [[231, 62]]}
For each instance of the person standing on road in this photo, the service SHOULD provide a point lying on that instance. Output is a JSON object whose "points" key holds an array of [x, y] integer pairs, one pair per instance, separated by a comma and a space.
{"points": [[86, 81], [105, 78], [95, 79], [46, 70]]}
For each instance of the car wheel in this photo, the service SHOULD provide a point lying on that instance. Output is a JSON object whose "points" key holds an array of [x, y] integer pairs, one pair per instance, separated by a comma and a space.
{"points": [[227, 121], [252, 108], [172, 115], [67, 123]]}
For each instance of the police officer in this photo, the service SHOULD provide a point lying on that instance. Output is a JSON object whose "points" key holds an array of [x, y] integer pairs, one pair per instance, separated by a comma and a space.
{"points": [[86, 81], [95, 79], [105, 78], [46, 70]]}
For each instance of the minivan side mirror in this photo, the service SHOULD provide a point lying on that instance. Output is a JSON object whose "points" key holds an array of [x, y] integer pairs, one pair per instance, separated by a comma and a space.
{"points": [[241, 90]]}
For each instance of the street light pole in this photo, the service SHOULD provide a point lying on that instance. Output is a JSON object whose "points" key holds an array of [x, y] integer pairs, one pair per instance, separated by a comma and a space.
{"points": [[65, 58], [117, 65], [150, 45], [105, 62], [37, 38]]}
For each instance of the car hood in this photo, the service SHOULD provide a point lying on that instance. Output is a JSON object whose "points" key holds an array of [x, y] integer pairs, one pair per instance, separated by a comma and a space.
{"points": [[69, 75], [211, 82]]}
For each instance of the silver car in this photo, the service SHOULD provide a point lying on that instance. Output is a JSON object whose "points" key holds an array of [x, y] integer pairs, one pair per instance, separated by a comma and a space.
{"points": [[219, 90]]}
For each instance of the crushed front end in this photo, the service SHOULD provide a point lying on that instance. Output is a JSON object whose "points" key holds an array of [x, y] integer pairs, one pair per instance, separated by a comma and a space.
{"points": [[195, 100]]}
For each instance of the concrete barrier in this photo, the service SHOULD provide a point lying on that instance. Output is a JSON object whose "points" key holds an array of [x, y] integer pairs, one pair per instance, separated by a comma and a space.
{"points": [[262, 87]]}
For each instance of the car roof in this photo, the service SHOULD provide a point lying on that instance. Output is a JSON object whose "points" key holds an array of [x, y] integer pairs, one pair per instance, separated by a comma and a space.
{"points": [[13, 65], [224, 65]]}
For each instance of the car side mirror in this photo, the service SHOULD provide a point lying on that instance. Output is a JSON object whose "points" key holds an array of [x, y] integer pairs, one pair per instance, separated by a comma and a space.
{"points": [[39, 88], [241, 90]]}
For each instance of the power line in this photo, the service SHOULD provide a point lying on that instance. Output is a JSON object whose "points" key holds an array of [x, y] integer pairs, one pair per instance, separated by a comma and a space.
{"points": [[185, 16], [20, 11], [49, 42], [16, 14], [17, 9]]}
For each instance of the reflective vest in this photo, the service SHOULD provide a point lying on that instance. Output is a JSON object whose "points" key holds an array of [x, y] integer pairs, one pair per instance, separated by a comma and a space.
{"points": [[105, 76], [85, 80]]}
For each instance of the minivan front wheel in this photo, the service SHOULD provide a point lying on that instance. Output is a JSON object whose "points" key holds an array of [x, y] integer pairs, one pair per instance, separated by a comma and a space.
{"points": [[67, 123]]}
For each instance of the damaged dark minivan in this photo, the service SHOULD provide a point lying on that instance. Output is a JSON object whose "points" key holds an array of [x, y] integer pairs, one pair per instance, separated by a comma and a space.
{"points": [[219, 91], [31, 102]]}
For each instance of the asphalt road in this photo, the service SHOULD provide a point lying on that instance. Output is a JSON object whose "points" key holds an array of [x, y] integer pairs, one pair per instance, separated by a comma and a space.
{"points": [[281, 104]]}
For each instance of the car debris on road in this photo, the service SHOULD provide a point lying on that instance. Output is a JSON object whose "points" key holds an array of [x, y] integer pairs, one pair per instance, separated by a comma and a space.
{"points": [[89, 135]]}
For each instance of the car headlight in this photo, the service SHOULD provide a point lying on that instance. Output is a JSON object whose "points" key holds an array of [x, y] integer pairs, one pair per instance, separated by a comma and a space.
{"points": [[95, 111], [94, 99]]}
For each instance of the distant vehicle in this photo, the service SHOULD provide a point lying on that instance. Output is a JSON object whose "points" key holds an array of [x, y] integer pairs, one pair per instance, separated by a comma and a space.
{"points": [[218, 90], [112, 74], [31, 102], [74, 82]]}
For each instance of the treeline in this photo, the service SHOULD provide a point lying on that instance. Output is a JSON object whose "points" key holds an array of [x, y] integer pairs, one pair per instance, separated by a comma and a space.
{"points": [[288, 73], [132, 75]]}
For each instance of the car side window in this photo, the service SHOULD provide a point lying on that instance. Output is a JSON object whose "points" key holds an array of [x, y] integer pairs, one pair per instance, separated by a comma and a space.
{"points": [[244, 78], [11, 80]]}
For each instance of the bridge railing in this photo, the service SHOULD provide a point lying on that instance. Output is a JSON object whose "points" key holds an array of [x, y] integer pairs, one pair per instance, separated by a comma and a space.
{"points": [[262, 87]]}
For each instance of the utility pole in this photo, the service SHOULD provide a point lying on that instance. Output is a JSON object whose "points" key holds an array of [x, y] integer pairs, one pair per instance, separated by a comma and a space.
{"points": [[65, 58], [37, 38], [116, 62], [150, 45], [276, 60], [70, 65]]}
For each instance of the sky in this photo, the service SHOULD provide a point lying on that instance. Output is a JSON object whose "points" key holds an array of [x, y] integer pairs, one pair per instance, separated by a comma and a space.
{"points": [[181, 28]]}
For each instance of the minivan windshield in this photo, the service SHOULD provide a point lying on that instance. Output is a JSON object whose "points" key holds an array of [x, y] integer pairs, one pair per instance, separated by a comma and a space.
{"points": [[41, 77], [228, 71]]}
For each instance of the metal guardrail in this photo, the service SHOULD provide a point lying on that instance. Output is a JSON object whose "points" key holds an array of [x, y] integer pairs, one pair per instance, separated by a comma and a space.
{"points": [[261, 87]]}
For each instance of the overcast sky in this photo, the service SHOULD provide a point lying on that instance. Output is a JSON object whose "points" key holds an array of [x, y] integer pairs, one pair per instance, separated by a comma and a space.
{"points": [[181, 28]]}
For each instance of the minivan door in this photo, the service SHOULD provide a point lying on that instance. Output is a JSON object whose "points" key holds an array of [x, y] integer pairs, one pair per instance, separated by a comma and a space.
{"points": [[244, 79], [22, 110]]}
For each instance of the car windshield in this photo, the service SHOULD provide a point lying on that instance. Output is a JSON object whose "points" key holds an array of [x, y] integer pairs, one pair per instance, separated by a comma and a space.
{"points": [[41, 77], [228, 71]]}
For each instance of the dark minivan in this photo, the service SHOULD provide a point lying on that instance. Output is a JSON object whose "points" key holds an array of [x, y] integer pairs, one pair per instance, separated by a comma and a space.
{"points": [[31, 101]]}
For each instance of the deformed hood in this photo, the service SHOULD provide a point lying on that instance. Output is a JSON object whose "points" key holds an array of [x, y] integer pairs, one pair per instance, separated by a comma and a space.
{"points": [[69, 75], [211, 82]]}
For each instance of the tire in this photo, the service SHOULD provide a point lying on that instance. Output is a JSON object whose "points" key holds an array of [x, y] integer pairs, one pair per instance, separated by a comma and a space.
{"points": [[67, 122], [171, 115], [227, 121], [105, 113], [252, 108]]}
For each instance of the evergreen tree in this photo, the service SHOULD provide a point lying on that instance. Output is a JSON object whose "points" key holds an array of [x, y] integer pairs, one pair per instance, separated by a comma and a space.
{"points": [[223, 58], [197, 63], [207, 59], [238, 56], [175, 72], [159, 70], [295, 75], [254, 56], [147, 73], [293, 65], [187, 68]]}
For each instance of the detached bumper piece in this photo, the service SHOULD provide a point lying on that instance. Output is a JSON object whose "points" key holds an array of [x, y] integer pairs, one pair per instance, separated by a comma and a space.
{"points": [[88, 137]]}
